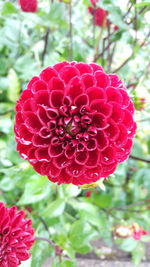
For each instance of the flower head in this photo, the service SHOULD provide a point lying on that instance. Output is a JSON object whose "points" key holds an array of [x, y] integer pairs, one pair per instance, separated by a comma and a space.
{"points": [[16, 236], [93, 2], [140, 103], [137, 231], [134, 230], [28, 5], [99, 16], [88, 194], [122, 231], [116, 28], [74, 123]]}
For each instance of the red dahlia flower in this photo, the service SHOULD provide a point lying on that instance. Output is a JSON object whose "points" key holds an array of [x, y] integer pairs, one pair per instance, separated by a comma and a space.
{"points": [[28, 5], [100, 16], [16, 236], [74, 123]]}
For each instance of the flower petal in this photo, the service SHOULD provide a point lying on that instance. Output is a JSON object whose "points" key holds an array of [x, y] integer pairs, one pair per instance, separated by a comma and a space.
{"points": [[99, 120], [48, 74], [102, 79], [55, 150], [93, 159], [96, 93], [56, 98]]}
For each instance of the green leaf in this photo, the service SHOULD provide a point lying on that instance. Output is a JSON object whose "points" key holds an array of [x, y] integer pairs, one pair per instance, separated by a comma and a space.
{"points": [[67, 263], [85, 249], [71, 190], [36, 189], [87, 211], [65, 1], [138, 254], [14, 86], [129, 244], [142, 4], [145, 238], [8, 8], [148, 144], [7, 184], [81, 233], [40, 251], [54, 209], [103, 200], [137, 149]]}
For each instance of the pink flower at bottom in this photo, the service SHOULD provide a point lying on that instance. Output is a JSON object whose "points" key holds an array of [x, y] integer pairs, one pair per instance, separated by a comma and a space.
{"points": [[74, 123], [28, 5], [16, 236]]}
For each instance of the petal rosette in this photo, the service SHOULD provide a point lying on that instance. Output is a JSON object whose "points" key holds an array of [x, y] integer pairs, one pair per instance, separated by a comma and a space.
{"points": [[74, 123], [16, 236]]}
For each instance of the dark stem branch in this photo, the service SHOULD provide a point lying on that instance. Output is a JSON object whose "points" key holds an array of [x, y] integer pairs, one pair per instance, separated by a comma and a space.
{"points": [[130, 57], [51, 243], [112, 33], [124, 63], [135, 23], [139, 203], [70, 32], [6, 112], [111, 56], [128, 11], [134, 18], [108, 51], [104, 49], [44, 224], [94, 27], [140, 159], [45, 46], [143, 120], [98, 43]]}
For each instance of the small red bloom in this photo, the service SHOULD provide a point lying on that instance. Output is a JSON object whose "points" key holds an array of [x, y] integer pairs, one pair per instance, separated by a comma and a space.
{"points": [[88, 194], [140, 103], [100, 16], [116, 28], [29, 209], [16, 236], [74, 123], [138, 231], [58, 251], [28, 5], [93, 2]]}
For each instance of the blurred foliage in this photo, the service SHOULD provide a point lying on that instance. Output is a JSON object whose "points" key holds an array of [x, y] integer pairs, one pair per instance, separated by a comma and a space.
{"points": [[63, 30]]}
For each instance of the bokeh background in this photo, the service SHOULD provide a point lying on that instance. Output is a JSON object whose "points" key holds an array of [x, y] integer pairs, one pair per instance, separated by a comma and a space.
{"points": [[69, 216]]}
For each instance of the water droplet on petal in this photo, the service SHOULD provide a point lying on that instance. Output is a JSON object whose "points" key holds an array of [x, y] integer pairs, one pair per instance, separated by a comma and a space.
{"points": [[75, 172], [24, 156], [24, 142], [106, 158]]}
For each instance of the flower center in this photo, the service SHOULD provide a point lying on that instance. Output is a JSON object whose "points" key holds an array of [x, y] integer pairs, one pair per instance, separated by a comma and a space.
{"points": [[68, 129]]}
